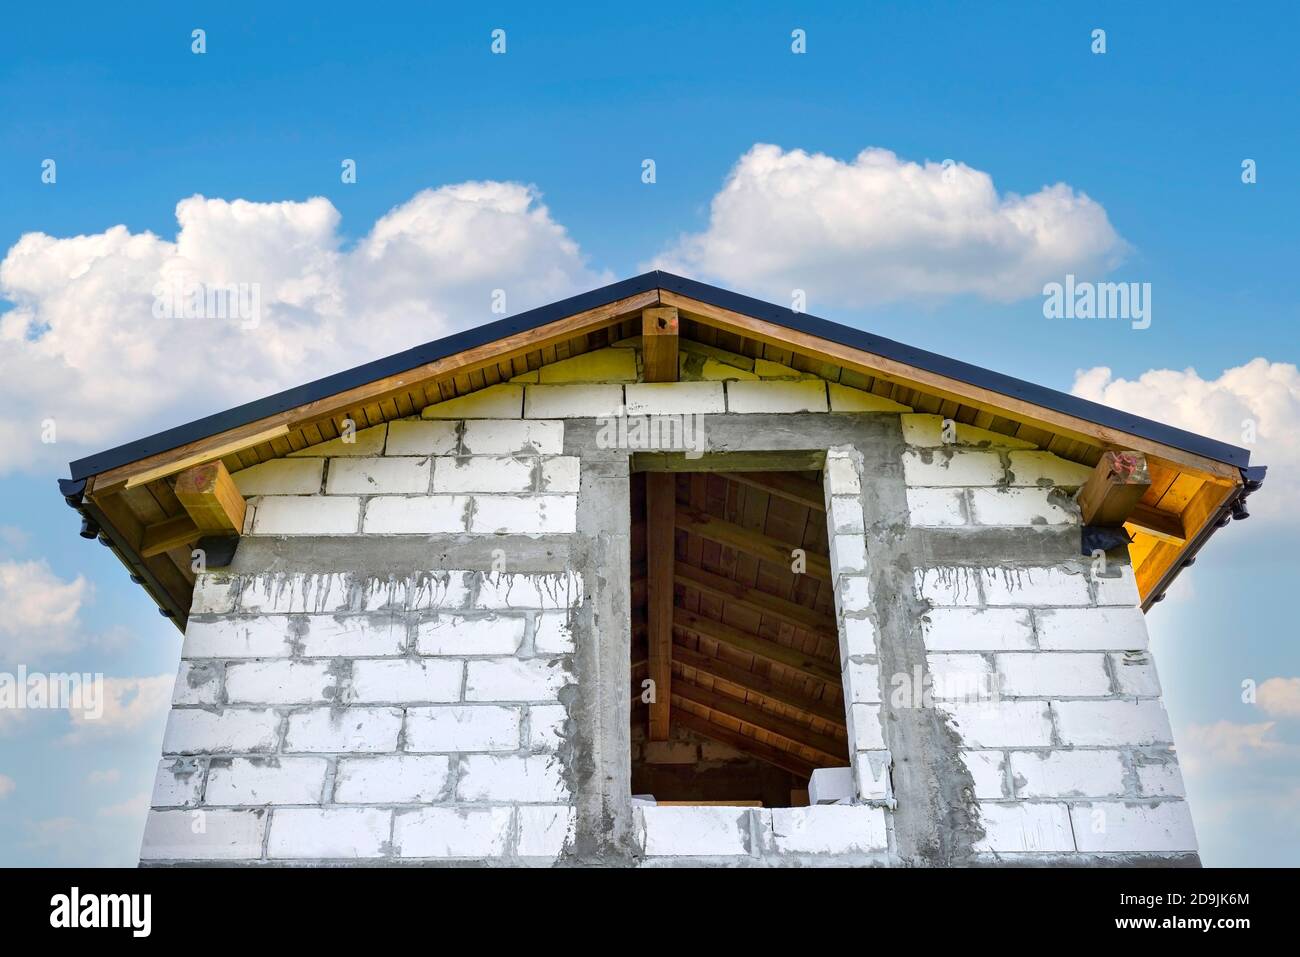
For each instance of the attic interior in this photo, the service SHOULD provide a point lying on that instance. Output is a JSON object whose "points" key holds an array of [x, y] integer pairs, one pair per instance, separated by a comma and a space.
{"points": [[747, 646]]}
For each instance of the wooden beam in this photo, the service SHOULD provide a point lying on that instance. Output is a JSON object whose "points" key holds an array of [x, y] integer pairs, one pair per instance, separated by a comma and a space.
{"points": [[1114, 489], [659, 344], [661, 505], [833, 750], [764, 648], [164, 536], [756, 684], [792, 488], [752, 543], [786, 760], [939, 385], [113, 512], [1165, 526], [211, 498], [751, 599], [220, 451], [795, 461]]}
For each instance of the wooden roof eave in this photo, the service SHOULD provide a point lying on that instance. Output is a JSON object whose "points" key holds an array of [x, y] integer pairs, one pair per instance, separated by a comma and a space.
{"points": [[270, 435]]}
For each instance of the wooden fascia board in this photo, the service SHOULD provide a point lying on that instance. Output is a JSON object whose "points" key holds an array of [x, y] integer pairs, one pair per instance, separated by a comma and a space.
{"points": [[512, 346], [945, 387]]}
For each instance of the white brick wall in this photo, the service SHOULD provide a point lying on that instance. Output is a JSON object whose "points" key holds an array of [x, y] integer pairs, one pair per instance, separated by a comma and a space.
{"points": [[441, 832], [676, 398], [509, 437], [936, 507], [1035, 674], [525, 515], [1012, 828], [425, 515], [457, 635], [1017, 506], [695, 831], [203, 732], [281, 477], [419, 437], [336, 717], [279, 682], [1130, 826], [807, 395], [1034, 586], [572, 401], [952, 467], [829, 829], [392, 779], [1112, 723], [364, 729], [269, 780], [483, 473], [426, 727], [223, 836], [509, 679], [1059, 774], [530, 779], [403, 681], [1091, 629], [1000, 724], [459, 728], [1042, 468], [329, 833], [977, 629], [306, 515], [378, 476]]}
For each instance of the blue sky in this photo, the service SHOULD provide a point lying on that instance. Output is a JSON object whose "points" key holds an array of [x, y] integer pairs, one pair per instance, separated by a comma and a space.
{"points": [[1153, 133]]}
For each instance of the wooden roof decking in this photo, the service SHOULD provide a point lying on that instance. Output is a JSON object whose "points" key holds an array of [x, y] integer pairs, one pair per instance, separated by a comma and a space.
{"points": [[129, 490], [755, 649]]}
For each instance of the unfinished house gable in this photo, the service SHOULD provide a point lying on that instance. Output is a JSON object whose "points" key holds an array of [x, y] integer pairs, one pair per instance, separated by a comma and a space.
{"points": [[653, 582]]}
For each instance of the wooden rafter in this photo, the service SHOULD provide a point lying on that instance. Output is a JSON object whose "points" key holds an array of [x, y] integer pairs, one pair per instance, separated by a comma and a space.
{"points": [[746, 540], [786, 760], [1114, 489], [792, 488], [756, 684], [211, 499], [1166, 526], [764, 648], [661, 503], [828, 748], [754, 600], [198, 458], [165, 535], [659, 338]]}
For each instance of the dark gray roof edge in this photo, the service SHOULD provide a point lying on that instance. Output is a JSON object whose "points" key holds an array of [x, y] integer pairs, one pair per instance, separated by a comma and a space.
{"points": [[721, 298]]}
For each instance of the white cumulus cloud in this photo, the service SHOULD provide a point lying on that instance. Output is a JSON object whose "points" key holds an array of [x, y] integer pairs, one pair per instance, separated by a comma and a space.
{"points": [[1256, 406], [40, 611], [880, 228], [1208, 746], [7, 786], [90, 362], [128, 705], [1279, 697]]}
